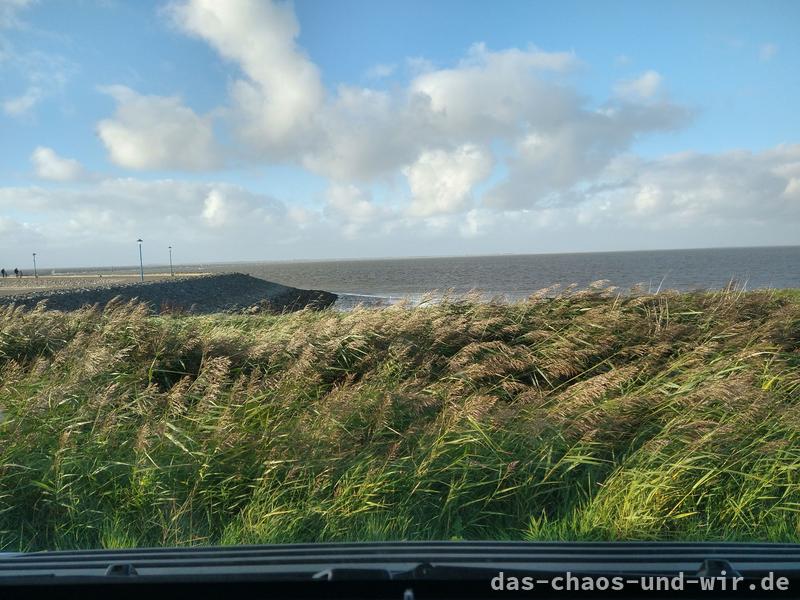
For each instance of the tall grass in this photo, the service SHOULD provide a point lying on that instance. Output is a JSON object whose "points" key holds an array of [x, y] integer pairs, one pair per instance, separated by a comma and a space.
{"points": [[586, 416]]}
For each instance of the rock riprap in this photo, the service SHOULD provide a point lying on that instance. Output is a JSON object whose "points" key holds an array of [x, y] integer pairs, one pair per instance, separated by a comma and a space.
{"points": [[228, 292]]}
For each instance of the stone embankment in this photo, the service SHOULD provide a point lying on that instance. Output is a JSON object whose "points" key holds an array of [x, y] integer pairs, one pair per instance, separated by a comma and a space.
{"points": [[229, 292]]}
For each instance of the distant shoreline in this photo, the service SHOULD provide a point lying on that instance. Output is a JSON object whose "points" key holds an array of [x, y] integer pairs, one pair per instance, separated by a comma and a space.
{"points": [[290, 261], [513, 276]]}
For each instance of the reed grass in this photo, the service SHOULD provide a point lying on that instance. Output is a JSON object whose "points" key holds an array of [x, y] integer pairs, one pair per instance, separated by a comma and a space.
{"points": [[586, 416]]}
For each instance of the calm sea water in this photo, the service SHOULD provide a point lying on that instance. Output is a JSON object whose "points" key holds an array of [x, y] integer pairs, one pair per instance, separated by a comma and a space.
{"points": [[517, 276]]}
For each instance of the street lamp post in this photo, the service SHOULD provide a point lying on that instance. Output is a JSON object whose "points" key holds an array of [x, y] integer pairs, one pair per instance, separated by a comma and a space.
{"points": [[171, 270], [141, 264], [35, 272]]}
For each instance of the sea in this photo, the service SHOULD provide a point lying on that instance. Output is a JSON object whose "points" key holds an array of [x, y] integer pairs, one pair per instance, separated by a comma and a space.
{"points": [[513, 277]]}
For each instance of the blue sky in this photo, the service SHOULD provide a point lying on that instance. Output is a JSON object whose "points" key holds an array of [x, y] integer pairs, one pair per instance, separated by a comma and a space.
{"points": [[260, 130]]}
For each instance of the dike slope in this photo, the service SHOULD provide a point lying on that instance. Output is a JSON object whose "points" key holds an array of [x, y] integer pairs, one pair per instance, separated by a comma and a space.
{"points": [[228, 292]]}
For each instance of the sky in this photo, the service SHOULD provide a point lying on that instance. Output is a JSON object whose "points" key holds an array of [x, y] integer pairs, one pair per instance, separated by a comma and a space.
{"points": [[261, 130]]}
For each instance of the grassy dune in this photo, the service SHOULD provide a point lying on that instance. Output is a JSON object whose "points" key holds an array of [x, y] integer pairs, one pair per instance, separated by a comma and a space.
{"points": [[588, 416]]}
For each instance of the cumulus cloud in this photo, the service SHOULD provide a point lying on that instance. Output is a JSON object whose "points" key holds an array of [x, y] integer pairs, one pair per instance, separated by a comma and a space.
{"points": [[49, 165], [350, 202], [109, 215], [359, 135], [494, 93], [235, 207], [281, 91], [686, 199], [280, 111], [352, 209], [442, 182], [156, 132], [153, 200], [643, 87], [365, 134], [563, 157], [215, 209], [690, 190], [547, 164]]}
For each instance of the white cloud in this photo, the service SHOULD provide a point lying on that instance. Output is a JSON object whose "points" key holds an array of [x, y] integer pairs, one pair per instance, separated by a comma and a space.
{"points": [[364, 134], [547, 164], [562, 155], [9, 10], [276, 101], [380, 71], [51, 166], [44, 75], [767, 51], [442, 182], [644, 87], [356, 135], [280, 109], [686, 199], [418, 65], [215, 209], [687, 189], [302, 216], [494, 93], [112, 213], [234, 207], [131, 197], [351, 203], [23, 104], [156, 132], [478, 222]]}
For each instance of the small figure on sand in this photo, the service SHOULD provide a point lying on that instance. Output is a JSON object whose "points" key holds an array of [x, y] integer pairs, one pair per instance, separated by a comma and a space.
{"points": [[16, 272], [3, 273]]}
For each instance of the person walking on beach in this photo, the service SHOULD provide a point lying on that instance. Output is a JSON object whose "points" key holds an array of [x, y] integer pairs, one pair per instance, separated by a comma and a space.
{"points": [[3, 273], [16, 272]]}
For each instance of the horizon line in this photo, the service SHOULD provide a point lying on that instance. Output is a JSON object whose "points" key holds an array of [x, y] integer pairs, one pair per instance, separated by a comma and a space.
{"points": [[410, 257]]}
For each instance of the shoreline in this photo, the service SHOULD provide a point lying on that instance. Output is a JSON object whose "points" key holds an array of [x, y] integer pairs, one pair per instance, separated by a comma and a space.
{"points": [[249, 294]]}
